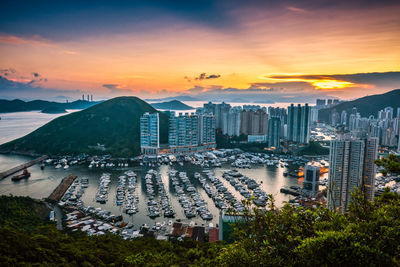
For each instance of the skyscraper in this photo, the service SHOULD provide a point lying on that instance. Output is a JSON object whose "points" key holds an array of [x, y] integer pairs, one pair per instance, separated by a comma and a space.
{"points": [[321, 102], [351, 165], [299, 123], [191, 132], [369, 172], [234, 122], [311, 180], [207, 130], [183, 131], [149, 133], [343, 117], [346, 161], [274, 132]]}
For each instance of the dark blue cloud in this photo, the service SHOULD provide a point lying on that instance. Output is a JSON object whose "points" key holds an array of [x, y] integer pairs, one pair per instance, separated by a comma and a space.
{"points": [[65, 20]]}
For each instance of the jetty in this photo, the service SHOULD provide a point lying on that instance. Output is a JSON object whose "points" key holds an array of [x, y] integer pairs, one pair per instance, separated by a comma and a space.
{"points": [[290, 191], [60, 190], [21, 167]]}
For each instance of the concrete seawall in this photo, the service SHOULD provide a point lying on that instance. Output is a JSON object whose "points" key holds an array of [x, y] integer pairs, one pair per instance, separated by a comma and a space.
{"points": [[60, 190], [21, 167]]}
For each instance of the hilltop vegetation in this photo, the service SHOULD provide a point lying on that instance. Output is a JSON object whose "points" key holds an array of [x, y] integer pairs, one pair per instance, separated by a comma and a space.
{"points": [[368, 105], [114, 123], [17, 105], [171, 105]]}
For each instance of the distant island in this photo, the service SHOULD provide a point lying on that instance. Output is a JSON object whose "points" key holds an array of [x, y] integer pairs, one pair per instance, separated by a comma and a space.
{"points": [[54, 110], [171, 105], [18, 105], [368, 105], [114, 124]]}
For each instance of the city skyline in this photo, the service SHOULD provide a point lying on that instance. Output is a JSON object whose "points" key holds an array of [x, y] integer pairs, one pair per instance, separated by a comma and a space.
{"points": [[279, 50]]}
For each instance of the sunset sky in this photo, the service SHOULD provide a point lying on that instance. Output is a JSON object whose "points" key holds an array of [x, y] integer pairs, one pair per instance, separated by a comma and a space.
{"points": [[156, 49]]}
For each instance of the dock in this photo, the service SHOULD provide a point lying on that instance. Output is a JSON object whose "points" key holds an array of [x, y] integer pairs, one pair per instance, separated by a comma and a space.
{"points": [[21, 167], [286, 190], [60, 190]]}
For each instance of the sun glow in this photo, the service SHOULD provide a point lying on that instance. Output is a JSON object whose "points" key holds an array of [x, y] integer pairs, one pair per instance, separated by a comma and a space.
{"points": [[331, 84]]}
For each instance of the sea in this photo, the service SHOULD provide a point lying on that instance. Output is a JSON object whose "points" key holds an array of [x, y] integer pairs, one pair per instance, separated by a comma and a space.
{"points": [[43, 182]]}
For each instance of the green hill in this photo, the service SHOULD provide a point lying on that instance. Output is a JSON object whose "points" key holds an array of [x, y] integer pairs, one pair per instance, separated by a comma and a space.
{"points": [[171, 105], [113, 123], [17, 105], [368, 105]]}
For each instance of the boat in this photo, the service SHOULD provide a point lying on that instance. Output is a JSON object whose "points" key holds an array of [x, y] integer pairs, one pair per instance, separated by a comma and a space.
{"points": [[42, 166], [24, 175]]}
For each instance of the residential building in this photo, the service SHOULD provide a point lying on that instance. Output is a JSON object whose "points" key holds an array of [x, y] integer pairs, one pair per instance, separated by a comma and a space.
{"points": [[149, 133], [274, 132], [351, 165], [189, 133], [299, 123], [369, 172], [346, 161], [311, 180]]}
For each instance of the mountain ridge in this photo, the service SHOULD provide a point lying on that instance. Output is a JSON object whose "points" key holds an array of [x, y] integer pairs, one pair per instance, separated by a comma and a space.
{"points": [[114, 123], [18, 105], [367, 105], [171, 105]]}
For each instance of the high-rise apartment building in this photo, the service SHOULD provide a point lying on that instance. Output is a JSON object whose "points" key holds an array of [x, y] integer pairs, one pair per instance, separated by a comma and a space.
{"points": [[183, 130], [149, 133], [253, 122], [207, 127], [351, 165], [233, 127], [299, 123], [321, 102], [191, 132], [369, 172], [274, 132], [311, 180]]}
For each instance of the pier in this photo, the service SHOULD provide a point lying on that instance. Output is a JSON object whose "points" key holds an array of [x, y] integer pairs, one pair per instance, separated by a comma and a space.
{"points": [[21, 167], [60, 190], [286, 190]]}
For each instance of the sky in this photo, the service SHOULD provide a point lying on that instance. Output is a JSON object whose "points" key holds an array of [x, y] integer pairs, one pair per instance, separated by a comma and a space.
{"points": [[267, 51]]}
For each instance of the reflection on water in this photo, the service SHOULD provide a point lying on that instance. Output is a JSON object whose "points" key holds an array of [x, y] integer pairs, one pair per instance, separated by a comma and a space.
{"points": [[42, 183], [17, 124]]}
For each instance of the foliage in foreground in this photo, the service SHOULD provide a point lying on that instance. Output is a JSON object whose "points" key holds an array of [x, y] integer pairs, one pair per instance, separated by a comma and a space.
{"points": [[390, 164], [368, 234]]}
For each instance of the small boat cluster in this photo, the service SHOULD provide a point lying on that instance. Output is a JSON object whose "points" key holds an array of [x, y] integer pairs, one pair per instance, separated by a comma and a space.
{"points": [[102, 191], [240, 182], [131, 198], [158, 198], [221, 196], [103, 164], [75, 191], [189, 199]]}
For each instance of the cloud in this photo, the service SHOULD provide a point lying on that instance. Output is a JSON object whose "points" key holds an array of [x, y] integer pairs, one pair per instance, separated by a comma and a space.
{"points": [[296, 9], [204, 76], [8, 71], [342, 81], [10, 89], [111, 87], [31, 40]]}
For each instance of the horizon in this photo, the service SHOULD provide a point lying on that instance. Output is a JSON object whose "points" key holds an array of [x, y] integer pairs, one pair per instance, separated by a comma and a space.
{"points": [[207, 50]]}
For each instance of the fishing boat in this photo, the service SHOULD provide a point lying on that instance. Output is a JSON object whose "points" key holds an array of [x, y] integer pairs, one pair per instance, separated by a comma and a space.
{"points": [[24, 175]]}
